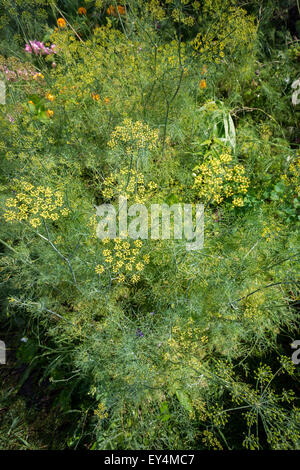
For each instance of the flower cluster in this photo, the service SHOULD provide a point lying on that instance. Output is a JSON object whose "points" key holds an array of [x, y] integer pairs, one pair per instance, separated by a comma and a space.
{"points": [[186, 342], [209, 106], [96, 96], [122, 259], [39, 48], [271, 231], [217, 179], [13, 75], [211, 441], [134, 136], [292, 177], [205, 44], [168, 58], [128, 183], [183, 355], [154, 8], [35, 204], [113, 11], [50, 113], [13, 69], [253, 307], [179, 17], [101, 412], [234, 27]]}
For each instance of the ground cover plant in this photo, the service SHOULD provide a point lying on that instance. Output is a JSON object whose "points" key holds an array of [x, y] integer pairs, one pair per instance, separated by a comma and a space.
{"points": [[121, 343]]}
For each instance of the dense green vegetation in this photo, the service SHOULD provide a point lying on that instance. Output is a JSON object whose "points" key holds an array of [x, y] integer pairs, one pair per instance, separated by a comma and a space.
{"points": [[123, 344]]}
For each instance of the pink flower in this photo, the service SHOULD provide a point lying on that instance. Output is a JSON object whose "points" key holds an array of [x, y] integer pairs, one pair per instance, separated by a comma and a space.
{"points": [[28, 49], [38, 47]]}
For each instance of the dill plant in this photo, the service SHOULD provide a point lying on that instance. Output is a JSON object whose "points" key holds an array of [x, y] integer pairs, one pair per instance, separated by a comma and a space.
{"points": [[153, 346]]}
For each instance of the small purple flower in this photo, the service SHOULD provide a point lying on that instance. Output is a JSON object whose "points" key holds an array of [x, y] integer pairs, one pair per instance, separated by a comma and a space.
{"points": [[139, 333], [151, 313]]}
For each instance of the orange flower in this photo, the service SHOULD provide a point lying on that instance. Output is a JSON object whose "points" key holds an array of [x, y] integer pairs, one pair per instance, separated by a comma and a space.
{"points": [[113, 11], [82, 11], [49, 113], [106, 100], [95, 96], [61, 22], [121, 10], [50, 97], [203, 84]]}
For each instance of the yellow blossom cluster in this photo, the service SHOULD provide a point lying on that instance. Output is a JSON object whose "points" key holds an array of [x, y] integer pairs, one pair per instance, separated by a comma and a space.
{"points": [[168, 58], [123, 259], [154, 8], [211, 441], [293, 176], [253, 307], [186, 341], [159, 12], [134, 136], [101, 411], [265, 131], [271, 231], [185, 351], [38, 75], [34, 204], [178, 16], [210, 106], [217, 179], [234, 27], [130, 184], [206, 45]]}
